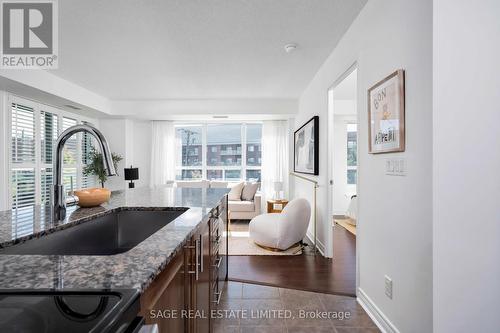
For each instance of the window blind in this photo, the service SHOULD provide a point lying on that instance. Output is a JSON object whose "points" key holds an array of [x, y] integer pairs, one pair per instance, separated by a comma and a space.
{"points": [[34, 131], [48, 135], [70, 156], [46, 181], [23, 134], [49, 130], [23, 187], [22, 156], [87, 144]]}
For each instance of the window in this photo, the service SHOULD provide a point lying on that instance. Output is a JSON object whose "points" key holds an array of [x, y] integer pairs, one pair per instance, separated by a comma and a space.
{"points": [[188, 157], [88, 143], [23, 160], [218, 151], [70, 156], [226, 139], [49, 129], [34, 130], [352, 154], [253, 152]]}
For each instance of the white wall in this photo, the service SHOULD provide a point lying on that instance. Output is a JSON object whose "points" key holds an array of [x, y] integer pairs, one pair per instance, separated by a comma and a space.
{"points": [[45, 87], [204, 109], [395, 217], [466, 166], [115, 131], [142, 151], [132, 140]]}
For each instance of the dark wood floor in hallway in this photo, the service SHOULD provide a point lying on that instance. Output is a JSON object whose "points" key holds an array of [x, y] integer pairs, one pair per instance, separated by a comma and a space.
{"points": [[303, 272]]}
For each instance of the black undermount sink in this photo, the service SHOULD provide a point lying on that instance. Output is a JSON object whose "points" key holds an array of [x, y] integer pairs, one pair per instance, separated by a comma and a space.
{"points": [[113, 233]]}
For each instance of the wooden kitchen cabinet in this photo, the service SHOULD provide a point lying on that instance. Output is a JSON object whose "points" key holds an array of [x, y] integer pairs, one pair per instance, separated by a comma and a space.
{"points": [[166, 298], [191, 285], [200, 282]]}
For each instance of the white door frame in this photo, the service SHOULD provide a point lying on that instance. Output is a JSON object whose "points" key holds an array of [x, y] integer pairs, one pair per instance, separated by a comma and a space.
{"points": [[330, 146]]}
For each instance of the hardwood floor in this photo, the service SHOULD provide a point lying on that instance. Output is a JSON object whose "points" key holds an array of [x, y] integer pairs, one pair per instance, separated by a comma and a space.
{"points": [[303, 272]]}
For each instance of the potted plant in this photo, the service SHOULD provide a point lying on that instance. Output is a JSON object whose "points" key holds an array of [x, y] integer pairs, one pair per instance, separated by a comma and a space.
{"points": [[95, 167]]}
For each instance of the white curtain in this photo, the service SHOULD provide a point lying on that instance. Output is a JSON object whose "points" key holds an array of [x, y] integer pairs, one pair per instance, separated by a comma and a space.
{"points": [[274, 156], [162, 153]]}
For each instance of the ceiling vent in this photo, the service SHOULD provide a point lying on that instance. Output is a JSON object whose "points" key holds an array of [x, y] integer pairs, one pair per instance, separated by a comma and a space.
{"points": [[220, 117], [72, 107]]}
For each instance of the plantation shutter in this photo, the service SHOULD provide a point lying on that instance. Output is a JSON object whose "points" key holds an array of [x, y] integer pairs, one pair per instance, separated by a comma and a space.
{"points": [[48, 135], [70, 155], [87, 144], [22, 156], [23, 134], [34, 129]]}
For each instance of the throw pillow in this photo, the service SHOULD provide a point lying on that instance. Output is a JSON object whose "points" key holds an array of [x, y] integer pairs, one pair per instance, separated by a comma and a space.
{"points": [[249, 191], [235, 193]]}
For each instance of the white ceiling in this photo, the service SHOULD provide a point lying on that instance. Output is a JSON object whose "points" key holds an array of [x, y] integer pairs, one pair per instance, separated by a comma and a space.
{"points": [[179, 49]]}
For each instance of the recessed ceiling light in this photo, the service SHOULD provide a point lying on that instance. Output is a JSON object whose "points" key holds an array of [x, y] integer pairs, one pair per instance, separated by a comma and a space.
{"points": [[290, 47]]}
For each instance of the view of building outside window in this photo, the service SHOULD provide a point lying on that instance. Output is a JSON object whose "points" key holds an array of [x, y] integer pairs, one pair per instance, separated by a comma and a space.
{"points": [[352, 154], [224, 145], [189, 139], [232, 151], [253, 152]]}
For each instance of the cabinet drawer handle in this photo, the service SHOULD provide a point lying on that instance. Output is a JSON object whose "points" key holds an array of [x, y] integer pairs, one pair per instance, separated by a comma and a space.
{"points": [[218, 262], [191, 247], [197, 255], [218, 295], [201, 254]]}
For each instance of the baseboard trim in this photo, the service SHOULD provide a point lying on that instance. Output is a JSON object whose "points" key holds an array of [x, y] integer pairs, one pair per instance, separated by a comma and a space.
{"points": [[378, 317], [321, 246]]}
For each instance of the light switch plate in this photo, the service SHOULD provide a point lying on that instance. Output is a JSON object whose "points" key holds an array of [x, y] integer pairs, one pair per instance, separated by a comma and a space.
{"points": [[395, 167], [388, 286]]}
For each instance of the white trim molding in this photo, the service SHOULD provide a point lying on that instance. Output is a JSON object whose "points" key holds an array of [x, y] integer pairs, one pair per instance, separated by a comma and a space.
{"points": [[378, 317], [4, 151], [321, 247]]}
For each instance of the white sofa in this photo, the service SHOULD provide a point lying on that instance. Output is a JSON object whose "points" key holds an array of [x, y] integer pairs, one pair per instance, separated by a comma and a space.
{"points": [[282, 230], [239, 210]]}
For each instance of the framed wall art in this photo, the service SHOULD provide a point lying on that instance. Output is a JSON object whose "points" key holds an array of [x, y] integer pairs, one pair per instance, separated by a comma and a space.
{"points": [[386, 114], [306, 148]]}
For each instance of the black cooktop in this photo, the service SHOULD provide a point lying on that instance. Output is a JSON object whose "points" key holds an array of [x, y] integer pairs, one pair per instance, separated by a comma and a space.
{"points": [[67, 311]]}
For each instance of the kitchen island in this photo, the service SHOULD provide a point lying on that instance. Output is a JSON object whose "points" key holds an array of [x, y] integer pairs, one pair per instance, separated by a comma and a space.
{"points": [[143, 266]]}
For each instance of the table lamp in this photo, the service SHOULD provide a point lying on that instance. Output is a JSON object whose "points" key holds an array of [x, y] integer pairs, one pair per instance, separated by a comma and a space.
{"points": [[131, 174], [278, 187]]}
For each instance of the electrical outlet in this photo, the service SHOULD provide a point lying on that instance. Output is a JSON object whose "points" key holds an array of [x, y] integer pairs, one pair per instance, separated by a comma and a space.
{"points": [[388, 286]]}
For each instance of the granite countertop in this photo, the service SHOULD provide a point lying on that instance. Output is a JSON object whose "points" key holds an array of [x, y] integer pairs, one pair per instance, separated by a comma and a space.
{"points": [[134, 269]]}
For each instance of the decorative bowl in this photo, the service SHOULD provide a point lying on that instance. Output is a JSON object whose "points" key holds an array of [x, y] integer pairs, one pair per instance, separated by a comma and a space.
{"points": [[92, 197]]}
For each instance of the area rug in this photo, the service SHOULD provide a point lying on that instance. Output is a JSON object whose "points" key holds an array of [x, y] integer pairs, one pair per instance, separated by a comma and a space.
{"points": [[240, 244]]}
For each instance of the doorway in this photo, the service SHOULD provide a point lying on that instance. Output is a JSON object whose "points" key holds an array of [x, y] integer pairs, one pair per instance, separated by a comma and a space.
{"points": [[317, 273], [343, 169]]}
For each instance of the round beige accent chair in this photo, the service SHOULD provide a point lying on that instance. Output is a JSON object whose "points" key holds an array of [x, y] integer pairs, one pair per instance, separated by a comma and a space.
{"points": [[282, 230]]}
